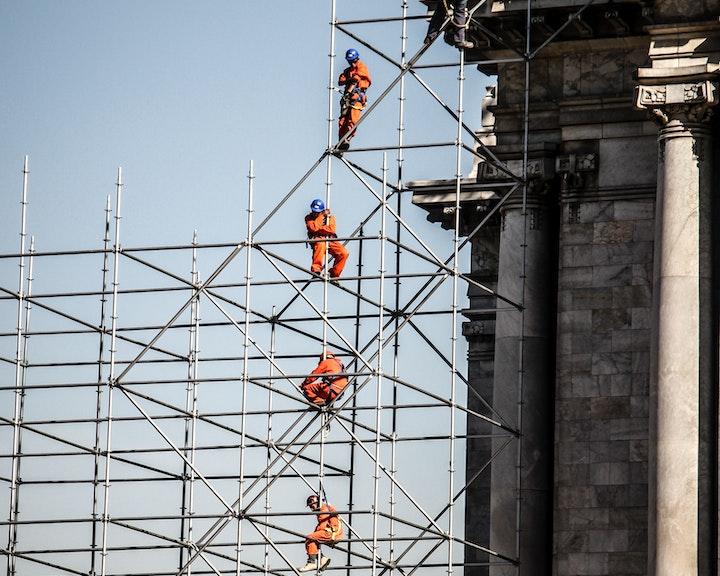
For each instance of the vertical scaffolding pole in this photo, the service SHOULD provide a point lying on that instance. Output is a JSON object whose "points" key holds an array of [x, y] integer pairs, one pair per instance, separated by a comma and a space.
{"points": [[396, 306], [353, 413], [99, 389], [26, 338], [268, 452], [15, 462], [111, 377], [521, 339], [454, 311], [246, 368], [378, 392], [188, 476], [328, 188], [328, 159]]}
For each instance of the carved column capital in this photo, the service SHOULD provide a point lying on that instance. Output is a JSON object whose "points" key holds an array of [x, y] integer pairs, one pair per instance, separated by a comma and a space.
{"points": [[686, 102]]}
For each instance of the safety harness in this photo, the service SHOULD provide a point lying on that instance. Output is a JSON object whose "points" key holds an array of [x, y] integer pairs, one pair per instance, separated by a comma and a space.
{"points": [[353, 99]]}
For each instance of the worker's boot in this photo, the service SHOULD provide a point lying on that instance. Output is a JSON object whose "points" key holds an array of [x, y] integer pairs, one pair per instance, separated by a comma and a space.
{"points": [[464, 44], [312, 564], [324, 561]]}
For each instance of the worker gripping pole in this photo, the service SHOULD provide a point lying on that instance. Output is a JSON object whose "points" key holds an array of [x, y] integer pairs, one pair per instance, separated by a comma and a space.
{"points": [[188, 476], [454, 311], [111, 377], [246, 368], [379, 369], [14, 482]]}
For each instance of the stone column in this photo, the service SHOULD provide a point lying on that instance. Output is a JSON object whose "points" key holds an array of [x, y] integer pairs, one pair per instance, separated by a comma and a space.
{"points": [[480, 334], [524, 275], [682, 511]]}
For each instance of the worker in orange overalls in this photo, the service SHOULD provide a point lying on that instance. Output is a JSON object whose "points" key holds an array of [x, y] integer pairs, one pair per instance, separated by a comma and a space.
{"points": [[321, 224], [328, 531], [356, 79], [324, 385]]}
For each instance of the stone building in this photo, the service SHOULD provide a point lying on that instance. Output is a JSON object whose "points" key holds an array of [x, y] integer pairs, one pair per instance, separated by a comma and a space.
{"points": [[614, 264]]}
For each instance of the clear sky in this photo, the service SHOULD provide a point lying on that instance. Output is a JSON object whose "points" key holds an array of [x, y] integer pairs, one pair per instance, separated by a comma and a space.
{"points": [[183, 94]]}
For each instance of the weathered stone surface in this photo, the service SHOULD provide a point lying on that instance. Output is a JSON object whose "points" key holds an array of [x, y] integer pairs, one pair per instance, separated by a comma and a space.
{"points": [[613, 232], [687, 9], [635, 210], [636, 152], [592, 298], [636, 296], [576, 277], [630, 340], [618, 275], [620, 252], [610, 320]]}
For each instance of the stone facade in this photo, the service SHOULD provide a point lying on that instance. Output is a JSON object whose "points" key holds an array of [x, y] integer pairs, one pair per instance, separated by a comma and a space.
{"points": [[601, 409], [619, 449]]}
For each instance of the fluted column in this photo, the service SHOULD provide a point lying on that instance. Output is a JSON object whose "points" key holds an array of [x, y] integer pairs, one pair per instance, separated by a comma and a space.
{"points": [[682, 429], [522, 392]]}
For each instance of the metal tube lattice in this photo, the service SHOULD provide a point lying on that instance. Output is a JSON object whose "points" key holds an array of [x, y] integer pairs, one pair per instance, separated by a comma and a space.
{"points": [[210, 457]]}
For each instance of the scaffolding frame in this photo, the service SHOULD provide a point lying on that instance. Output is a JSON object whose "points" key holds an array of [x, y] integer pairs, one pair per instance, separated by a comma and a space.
{"points": [[201, 542]]}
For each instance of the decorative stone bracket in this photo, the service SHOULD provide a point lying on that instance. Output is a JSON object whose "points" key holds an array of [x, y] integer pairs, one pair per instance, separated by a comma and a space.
{"points": [[685, 101], [573, 168]]}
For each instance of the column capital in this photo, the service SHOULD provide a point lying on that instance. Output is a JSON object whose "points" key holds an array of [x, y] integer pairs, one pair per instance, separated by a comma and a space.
{"points": [[689, 102]]}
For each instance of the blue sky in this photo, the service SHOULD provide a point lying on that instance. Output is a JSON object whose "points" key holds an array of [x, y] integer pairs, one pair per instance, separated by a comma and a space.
{"points": [[182, 95]]}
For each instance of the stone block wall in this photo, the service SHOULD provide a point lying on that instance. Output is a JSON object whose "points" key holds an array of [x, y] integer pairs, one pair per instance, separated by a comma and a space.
{"points": [[602, 401]]}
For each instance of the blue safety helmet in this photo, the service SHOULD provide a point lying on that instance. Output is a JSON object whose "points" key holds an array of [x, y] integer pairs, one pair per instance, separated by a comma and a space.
{"points": [[317, 205], [352, 55]]}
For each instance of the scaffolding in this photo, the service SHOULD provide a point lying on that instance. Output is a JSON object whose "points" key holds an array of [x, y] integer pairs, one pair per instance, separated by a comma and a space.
{"points": [[129, 448]]}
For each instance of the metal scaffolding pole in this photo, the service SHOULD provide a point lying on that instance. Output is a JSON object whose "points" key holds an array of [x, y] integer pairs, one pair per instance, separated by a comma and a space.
{"points": [[454, 308], [15, 463], [246, 367], [111, 375], [188, 475], [266, 552], [379, 379], [100, 383]]}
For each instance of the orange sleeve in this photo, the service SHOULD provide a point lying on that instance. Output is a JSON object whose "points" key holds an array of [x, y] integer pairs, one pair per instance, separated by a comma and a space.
{"points": [[323, 368], [330, 227], [317, 225], [342, 80], [362, 75]]}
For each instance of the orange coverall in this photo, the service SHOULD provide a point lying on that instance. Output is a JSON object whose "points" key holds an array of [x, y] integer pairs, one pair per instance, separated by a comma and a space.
{"points": [[321, 389], [356, 79], [322, 225], [328, 530]]}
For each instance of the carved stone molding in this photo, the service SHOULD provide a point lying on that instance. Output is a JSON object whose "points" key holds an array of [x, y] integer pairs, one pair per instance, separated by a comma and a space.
{"points": [[478, 328], [687, 102]]}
